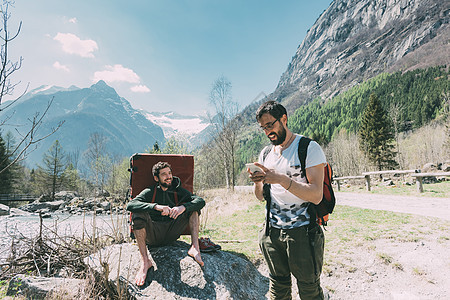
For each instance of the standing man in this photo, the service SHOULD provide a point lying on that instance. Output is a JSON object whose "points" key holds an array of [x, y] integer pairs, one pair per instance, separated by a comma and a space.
{"points": [[162, 213], [292, 243]]}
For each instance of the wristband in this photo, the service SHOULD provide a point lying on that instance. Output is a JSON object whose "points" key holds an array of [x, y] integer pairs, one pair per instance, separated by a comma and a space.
{"points": [[290, 183]]}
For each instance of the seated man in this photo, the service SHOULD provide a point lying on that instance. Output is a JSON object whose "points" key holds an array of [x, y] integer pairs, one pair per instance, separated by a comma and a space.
{"points": [[162, 213]]}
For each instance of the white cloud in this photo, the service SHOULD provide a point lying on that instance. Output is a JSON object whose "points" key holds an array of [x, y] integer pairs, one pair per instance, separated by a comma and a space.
{"points": [[116, 73], [59, 66], [73, 20], [140, 89], [74, 45]]}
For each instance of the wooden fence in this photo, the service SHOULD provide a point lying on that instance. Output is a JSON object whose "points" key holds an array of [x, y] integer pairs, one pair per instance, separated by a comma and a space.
{"points": [[414, 173]]}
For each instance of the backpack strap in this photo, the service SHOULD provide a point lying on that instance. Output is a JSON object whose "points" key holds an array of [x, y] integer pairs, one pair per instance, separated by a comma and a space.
{"points": [[266, 192], [175, 195], [266, 150], [154, 194], [302, 151]]}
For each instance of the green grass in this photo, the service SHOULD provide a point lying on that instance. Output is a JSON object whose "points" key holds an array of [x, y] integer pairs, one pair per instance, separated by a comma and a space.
{"points": [[349, 228], [3, 288], [440, 189]]}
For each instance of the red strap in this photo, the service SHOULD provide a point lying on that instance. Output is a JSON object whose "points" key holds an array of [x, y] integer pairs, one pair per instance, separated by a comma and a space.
{"points": [[154, 195]]}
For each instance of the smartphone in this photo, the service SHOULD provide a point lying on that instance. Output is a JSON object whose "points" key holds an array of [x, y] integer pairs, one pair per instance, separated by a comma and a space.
{"points": [[253, 168]]}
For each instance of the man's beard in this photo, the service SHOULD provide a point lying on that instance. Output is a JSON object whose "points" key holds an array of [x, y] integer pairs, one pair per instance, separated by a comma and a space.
{"points": [[281, 137], [165, 185]]}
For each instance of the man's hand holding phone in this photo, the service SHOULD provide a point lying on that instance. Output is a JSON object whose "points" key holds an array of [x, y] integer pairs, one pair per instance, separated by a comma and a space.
{"points": [[257, 172]]}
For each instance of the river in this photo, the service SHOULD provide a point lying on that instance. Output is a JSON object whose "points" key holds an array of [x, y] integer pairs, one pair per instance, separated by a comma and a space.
{"points": [[28, 225]]}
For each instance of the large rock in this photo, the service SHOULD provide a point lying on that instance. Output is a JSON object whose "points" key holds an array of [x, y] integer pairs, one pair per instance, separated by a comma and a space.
{"points": [[105, 205], [35, 206], [55, 205], [4, 210], [178, 276], [31, 287], [39, 206], [67, 196]]}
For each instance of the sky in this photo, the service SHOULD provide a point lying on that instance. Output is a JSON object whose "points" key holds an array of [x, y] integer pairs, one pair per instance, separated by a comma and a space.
{"points": [[160, 55]]}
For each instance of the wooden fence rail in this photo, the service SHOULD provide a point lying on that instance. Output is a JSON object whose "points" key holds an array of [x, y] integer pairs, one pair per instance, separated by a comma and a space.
{"points": [[414, 173], [419, 178]]}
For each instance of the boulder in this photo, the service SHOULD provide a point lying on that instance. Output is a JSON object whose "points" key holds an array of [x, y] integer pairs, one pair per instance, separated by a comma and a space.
{"points": [[177, 276], [31, 287], [446, 166], [15, 212], [102, 193], [429, 167], [105, 205], [4, 210], [35, 206], [55, 205], [90, 203], [67, 196]]}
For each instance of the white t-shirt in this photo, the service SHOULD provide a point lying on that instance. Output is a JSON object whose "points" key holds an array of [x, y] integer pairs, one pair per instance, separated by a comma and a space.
{"points": [[287, 210]]}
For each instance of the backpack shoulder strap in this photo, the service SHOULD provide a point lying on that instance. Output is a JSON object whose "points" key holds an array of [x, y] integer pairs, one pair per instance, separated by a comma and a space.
{"points": [[175, 195], [266, 151], [302, 151], [266, 192]]}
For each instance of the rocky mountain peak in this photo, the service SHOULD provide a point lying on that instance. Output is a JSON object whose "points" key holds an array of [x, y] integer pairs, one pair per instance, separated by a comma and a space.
{"points": [[354, 40], [103, 88]]}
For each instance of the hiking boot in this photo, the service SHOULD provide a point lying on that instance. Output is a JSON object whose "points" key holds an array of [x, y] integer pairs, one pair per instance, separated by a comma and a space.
{"points": [[205, 246], [217, 247]]}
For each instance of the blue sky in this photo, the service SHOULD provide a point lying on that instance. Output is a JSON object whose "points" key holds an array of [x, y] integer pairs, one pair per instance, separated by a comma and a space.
{"points": [[160, 55]]}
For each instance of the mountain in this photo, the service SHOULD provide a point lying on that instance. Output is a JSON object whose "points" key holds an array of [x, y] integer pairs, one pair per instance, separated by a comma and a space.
{"points": [[354, 40], [193, 131], [97, 109], [174, 124]]}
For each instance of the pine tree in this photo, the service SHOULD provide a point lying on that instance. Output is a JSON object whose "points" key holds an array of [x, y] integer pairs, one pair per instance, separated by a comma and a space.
{"points": [[5, 176], [52, 171], [376, 136]]}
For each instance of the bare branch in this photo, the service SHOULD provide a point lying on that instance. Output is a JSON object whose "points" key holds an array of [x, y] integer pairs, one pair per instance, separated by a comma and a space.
{"points": [[29, 139]]}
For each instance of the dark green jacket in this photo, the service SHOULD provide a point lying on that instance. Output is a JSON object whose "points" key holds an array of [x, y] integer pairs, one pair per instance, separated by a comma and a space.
{"points": [[142, 202]]}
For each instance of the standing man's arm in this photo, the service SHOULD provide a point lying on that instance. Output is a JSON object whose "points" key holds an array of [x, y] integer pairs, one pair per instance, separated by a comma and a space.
{"points": [[311, 191]]}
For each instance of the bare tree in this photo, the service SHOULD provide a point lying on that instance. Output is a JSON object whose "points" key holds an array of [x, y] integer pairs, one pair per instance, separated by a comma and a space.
{"points": [[226, 127], [28, 140], [98, 159]]}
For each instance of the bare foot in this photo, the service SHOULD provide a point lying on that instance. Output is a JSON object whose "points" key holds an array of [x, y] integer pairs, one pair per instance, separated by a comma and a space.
{"points": [[195, 254], [142, 273]]}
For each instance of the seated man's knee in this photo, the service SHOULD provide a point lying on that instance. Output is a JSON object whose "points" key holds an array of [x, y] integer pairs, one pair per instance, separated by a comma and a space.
{"points": [[140, 220]]}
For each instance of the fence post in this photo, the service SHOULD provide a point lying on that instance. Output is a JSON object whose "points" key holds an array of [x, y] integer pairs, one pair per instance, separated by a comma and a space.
{"points": [[367, 182], [419, 184]]}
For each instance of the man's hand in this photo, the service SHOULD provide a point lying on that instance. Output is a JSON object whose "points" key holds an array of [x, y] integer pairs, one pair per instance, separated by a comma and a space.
{"points": [[165, 210], [257, 177], [176, 211], [267, 176]]}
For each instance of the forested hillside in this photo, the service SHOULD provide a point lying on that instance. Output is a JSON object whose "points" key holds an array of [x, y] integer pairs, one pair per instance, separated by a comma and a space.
{"points": [[413, 99]]}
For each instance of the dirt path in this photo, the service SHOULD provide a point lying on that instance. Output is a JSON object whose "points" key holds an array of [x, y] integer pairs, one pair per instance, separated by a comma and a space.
{"points": [[394, 268], [425, 206]]}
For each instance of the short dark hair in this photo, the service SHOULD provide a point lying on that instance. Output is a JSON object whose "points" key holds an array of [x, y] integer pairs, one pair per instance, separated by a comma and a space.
{"points": [[271, 107], [159, 166]]}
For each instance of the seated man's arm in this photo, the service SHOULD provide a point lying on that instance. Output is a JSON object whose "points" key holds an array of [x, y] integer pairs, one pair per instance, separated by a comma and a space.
{"points": [[141, 202], [192, 202]]}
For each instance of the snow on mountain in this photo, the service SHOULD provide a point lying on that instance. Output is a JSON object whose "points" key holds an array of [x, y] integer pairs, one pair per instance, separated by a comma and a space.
{"points": [[176, 124]]}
